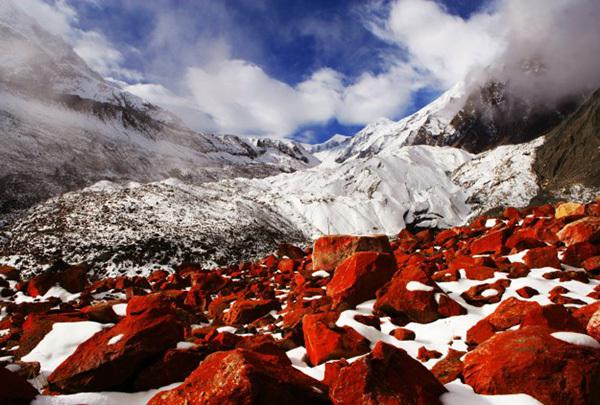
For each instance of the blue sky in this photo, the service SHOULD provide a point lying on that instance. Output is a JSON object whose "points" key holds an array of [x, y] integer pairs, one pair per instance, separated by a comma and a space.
{"points": [[286, 68]]}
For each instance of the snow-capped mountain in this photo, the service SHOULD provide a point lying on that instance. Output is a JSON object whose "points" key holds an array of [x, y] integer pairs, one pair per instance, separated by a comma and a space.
{"points": [[429, 126], [64, 127], [119, 227], [328, 152]]}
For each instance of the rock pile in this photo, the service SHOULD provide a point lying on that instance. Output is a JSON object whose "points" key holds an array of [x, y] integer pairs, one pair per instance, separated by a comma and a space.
{"points": [[505, 305]]}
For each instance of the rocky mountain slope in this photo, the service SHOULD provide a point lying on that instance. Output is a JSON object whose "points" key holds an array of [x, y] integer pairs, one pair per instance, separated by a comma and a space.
{"points": [[571, 154], [132, 227], [478, 117], [504, 310], [64, 127]]}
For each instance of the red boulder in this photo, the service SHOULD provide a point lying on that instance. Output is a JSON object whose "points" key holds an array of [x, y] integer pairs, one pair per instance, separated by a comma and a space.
{"points": [[358, 278], [531, 361], [244, 377], [331, 250], [387, 375], [73, 279], [583, 230], [491, 242], [112, 357], [325, 341], [542, 257], [245, 311]]}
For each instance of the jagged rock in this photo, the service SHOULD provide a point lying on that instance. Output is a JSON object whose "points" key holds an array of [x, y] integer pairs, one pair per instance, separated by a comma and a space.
{"points": [[245, 377], [387, 375], [324, 341], [73, 279], [583, 230], [331, 250], [358, 277], [111, 357], [531, 361]]}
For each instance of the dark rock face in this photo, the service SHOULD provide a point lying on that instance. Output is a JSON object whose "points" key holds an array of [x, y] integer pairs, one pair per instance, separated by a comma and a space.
{"points": [[571, 153], [492, 116]]}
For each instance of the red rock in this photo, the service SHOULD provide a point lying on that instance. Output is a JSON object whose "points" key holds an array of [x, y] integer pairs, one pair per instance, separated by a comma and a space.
{"points": [[387, 375], [525, 238], [245, 311], [450, 367], [73, 279], [446, 276], [584, 314], [174, 366], [15, 389], [583, 230], [290, 251], [10, 273], [531, 361], [331, 250], [555, 317], [479, 272], [511, 213], [592, 264], [593, 326], [158, 276], [369, 320], [287, 265], [425, 355], [358, 278], [542, 257], [480, 332], [156, 303], [244, 377], [445, 236], [403, 334], [478, 297], [517, 270], [97, 365], [577, 253], [418, 304], [332, 371], [36, 326], [527, 292], [102, 312], [491, 242], [545, 210], [324, 341]]}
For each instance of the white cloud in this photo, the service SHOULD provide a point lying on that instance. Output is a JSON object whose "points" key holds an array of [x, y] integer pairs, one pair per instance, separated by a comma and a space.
{"points": [[542, 48], [242, 98], [446, 45], [60, 18], [375, 96], [218, 92]]}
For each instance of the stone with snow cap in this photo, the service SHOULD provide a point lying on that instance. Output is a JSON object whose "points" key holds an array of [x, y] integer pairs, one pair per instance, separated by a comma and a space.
{"points": [[97, 365], [413, 295], [331, 250], [71, 278]]}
